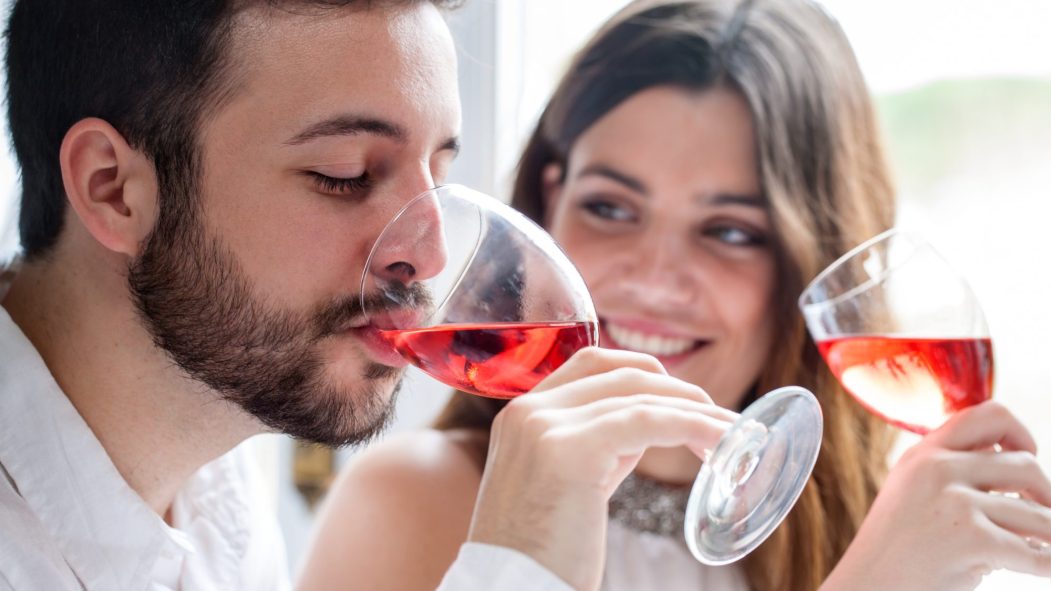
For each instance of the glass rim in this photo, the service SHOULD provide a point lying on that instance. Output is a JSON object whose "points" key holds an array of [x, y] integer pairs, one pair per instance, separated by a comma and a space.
{"points": [[462, 191], [836, 265], [483, 201]]}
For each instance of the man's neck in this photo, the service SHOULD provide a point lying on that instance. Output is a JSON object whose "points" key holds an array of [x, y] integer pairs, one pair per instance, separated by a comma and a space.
{"points": [[157, 425]]}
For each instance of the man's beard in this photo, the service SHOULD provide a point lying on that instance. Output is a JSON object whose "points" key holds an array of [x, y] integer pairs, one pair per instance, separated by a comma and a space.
{"points": [[199, 307]]}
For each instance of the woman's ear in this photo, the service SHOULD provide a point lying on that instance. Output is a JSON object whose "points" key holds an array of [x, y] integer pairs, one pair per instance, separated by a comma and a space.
{"points": [[551, 179], [111, 186]]}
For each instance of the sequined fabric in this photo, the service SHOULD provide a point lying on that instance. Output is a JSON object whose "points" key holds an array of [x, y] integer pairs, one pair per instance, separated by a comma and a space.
{"points": [[646, 505]]}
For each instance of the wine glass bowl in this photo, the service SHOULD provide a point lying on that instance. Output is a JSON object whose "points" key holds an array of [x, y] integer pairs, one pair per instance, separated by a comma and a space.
{"points": [[901, 331], [493, 305]]}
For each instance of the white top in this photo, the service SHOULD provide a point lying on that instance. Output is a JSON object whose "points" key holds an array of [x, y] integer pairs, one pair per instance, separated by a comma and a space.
{"points": [[481, 567], [69, 520], [642, 561]]}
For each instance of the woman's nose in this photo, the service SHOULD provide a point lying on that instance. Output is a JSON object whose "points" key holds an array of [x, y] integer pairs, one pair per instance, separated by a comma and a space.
{"points": [[656, 274]]}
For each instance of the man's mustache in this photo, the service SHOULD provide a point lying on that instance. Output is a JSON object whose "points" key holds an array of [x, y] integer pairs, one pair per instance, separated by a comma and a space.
{"points": [[395, 299]]}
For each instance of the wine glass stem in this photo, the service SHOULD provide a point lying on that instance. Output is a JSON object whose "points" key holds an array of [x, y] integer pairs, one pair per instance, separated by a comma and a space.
{"points": [[733, 472]]}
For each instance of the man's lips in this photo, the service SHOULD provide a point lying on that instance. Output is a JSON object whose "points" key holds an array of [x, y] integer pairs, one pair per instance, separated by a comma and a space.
{"points": [[396, 318], [378, 347]]}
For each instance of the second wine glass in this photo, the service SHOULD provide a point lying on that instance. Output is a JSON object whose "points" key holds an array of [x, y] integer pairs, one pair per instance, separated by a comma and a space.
{"points": [[901, 331]]}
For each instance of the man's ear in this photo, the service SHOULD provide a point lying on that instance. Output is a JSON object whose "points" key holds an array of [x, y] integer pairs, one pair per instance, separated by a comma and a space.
{"points": [[111, 186], [551, 179]]}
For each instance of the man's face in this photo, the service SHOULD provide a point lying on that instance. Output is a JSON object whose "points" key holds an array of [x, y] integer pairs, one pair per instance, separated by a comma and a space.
{"points": [[339, 118]]}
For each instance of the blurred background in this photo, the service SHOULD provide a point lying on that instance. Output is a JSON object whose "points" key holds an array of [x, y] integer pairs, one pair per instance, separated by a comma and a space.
{"points": [[964, 94]]}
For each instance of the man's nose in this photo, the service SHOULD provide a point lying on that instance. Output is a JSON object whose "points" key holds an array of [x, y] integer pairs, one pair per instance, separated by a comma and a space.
{"points": [[413, 247]]}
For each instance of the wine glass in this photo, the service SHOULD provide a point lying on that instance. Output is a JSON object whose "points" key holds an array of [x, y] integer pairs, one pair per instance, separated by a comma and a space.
{"points": [[901, 331], [498, 306], [504, 308]]}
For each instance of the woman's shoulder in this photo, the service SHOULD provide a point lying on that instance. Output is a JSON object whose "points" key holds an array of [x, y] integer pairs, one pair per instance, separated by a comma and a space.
{"points": [[420, 480], [408, 501], [448, 459]]}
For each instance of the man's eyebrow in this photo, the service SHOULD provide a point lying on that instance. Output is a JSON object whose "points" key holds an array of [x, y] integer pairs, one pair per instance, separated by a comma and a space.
{"points": [[349, 125], [452, 144], [614, 175]]}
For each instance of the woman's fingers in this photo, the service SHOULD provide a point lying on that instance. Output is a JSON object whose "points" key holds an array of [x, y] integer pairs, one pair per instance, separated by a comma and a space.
{"points": [[983, 426], [1009, 471], [1020, 516], [937, 522], [1019, 553]]}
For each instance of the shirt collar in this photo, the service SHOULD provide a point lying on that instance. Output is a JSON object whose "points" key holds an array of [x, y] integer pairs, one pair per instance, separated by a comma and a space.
{"points": [[108, 535]]}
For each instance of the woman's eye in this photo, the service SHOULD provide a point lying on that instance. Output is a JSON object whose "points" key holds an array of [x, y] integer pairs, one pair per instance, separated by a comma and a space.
{"points": [[608, 211], [736, 236], [341, 186]]}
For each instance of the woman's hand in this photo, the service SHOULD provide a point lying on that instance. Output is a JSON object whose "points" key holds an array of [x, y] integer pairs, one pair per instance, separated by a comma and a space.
{"points": [[557, 454], [935, 523]]}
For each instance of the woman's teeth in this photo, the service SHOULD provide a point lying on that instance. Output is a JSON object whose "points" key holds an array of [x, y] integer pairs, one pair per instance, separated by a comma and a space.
{"points": [[659, 346]]}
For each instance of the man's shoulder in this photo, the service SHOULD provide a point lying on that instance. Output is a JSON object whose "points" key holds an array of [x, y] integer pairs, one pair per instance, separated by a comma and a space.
{"points": [[233, 496], [29, 556], [16, 517]]}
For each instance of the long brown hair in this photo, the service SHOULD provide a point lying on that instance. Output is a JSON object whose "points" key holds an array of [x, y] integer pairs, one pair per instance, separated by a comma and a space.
{"points": [[827, 187]]}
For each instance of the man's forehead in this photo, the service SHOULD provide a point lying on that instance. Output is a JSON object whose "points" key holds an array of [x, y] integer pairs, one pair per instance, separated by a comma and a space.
{"points": [[349, 40], [313, 74], [366, 21]]}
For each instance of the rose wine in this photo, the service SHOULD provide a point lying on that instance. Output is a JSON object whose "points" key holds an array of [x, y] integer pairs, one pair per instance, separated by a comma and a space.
{"points": [[496, 360], [914, 383]]}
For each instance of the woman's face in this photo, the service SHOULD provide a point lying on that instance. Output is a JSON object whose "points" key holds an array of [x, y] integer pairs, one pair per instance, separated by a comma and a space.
{"points": [[662, 211]]}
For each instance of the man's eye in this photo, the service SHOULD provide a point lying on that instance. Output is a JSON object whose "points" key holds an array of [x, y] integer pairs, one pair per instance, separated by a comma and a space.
{"points": [[608, 211], [341, 186]]}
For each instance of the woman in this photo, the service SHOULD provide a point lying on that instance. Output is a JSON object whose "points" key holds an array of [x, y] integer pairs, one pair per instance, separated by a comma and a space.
{"points": [[700, 162]]}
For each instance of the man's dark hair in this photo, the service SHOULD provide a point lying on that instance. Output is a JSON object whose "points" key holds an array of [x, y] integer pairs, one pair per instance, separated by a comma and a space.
{"points": [[153, 69]]}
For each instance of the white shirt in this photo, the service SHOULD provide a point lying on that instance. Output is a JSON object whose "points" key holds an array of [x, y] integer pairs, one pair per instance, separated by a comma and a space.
{"points": [[69, 520], [481, 567]]}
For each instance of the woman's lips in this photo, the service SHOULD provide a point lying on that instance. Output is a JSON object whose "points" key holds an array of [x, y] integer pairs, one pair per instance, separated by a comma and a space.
{"points": [[668, 348]]}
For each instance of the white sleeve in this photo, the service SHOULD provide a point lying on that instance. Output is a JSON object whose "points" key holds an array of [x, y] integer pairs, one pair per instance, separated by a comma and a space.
{"points": [[483, 567]]}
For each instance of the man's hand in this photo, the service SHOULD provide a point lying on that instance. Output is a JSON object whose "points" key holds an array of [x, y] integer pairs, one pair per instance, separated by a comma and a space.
{"points": [[557, 454]]}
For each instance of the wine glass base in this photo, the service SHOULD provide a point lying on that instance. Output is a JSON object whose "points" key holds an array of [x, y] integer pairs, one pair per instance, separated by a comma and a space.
{"points": [[754, 476]]}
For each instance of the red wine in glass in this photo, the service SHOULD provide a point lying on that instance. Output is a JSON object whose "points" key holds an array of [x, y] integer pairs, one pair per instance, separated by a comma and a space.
{"points": [[902, 331], [913, 383], [498, 360]]}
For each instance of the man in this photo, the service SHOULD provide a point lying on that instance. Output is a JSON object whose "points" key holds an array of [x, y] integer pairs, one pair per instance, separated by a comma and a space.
{"points": [[201, 186]]}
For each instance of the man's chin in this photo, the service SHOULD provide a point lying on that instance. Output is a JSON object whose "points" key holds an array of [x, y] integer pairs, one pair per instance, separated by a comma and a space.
{"points": [[384, 375], [350, 422], [374, 410]]}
